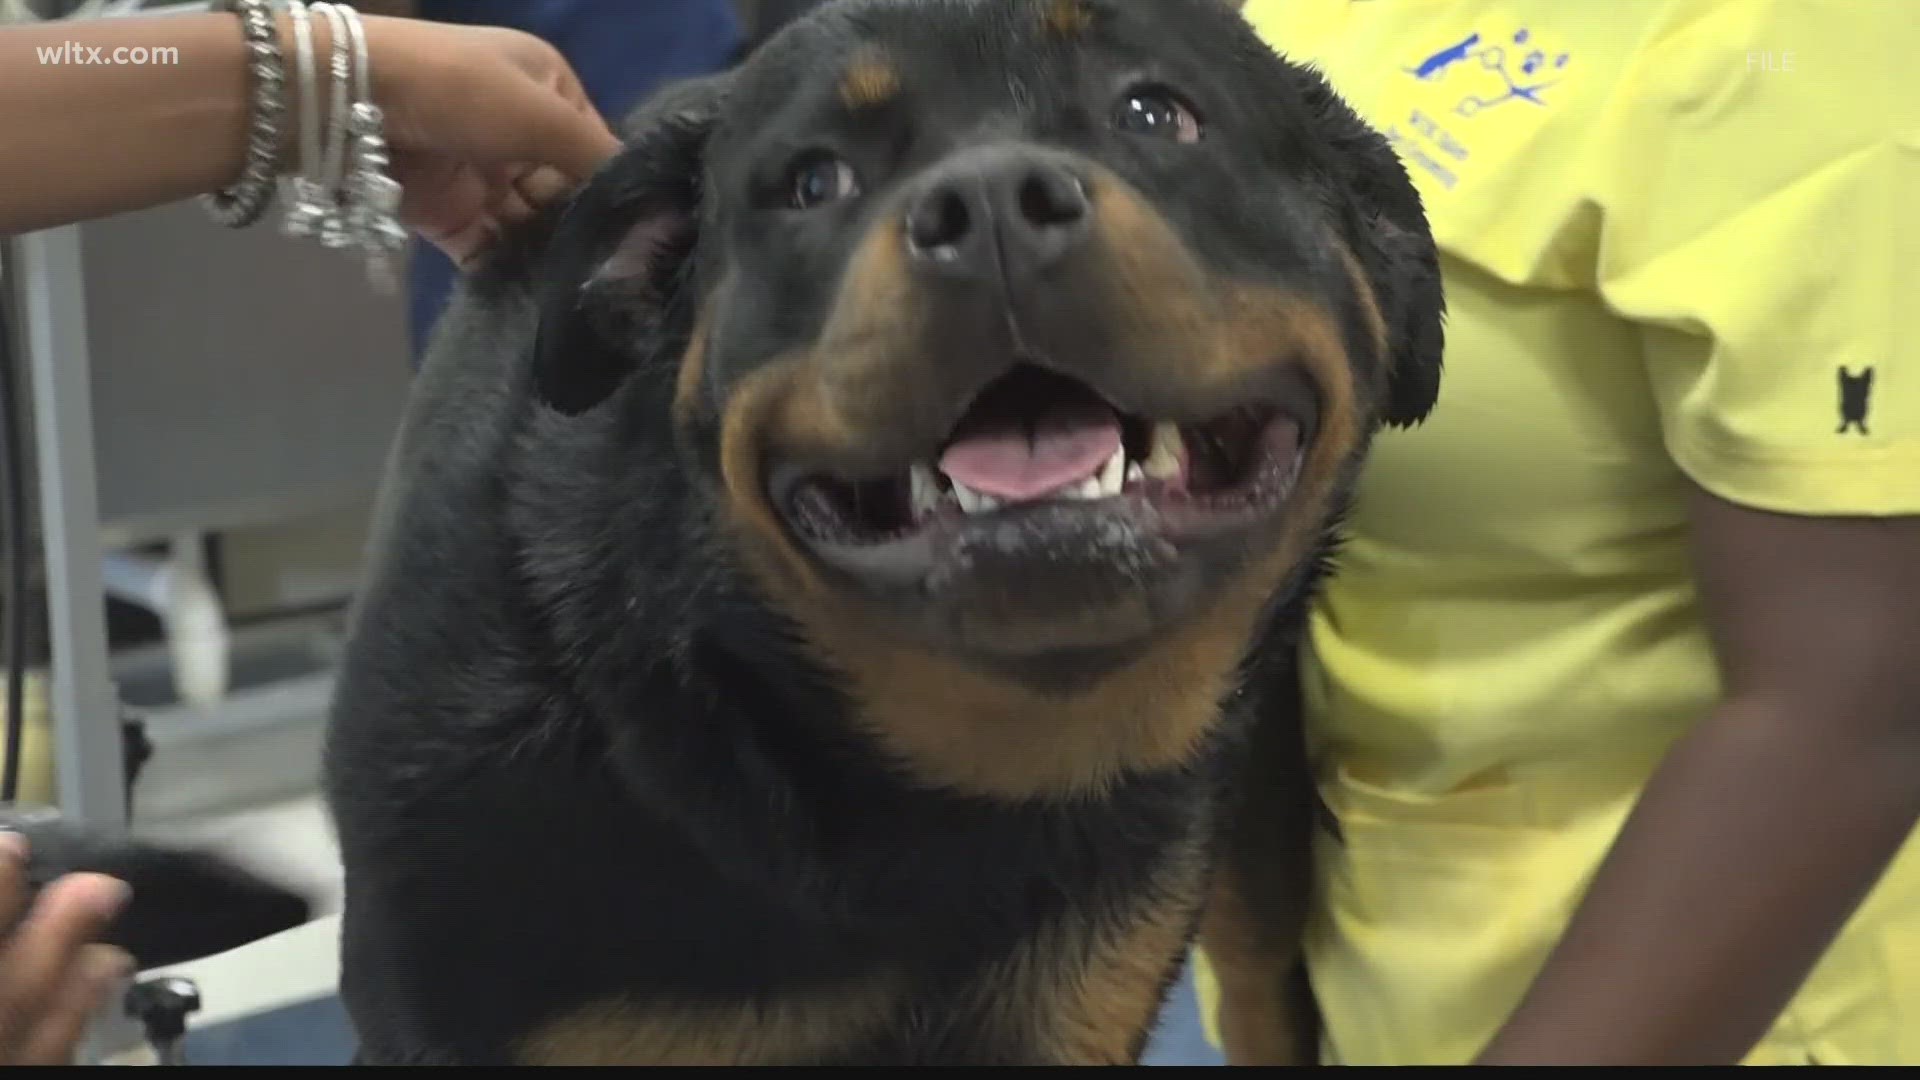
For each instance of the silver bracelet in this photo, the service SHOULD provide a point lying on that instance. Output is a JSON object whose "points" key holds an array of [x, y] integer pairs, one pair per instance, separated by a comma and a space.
{"points": [[242, 204], [342, 192], [306, 205], [372, 196], [332, 171]]}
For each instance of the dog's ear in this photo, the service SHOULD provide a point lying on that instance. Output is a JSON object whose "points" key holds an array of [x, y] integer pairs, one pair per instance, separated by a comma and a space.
{"points": [[618, 257], [1395, 249], [185, 904], [1413, 305]]}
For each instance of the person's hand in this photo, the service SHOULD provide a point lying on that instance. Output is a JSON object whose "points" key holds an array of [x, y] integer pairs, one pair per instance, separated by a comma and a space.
{"points": [[485, 124], [54, 974]]}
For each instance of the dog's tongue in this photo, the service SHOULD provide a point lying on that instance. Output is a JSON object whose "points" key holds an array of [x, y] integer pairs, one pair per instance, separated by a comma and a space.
{"points": [[1021, 458]]}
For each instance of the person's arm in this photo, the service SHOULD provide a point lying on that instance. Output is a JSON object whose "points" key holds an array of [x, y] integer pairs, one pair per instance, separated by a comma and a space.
{"points": [[483, 122], [1767, 824], [1764, 251], [81, 140]]}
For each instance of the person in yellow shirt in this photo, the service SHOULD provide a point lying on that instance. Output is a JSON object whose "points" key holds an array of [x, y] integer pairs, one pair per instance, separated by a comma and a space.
{"points": [[1616, 693]]}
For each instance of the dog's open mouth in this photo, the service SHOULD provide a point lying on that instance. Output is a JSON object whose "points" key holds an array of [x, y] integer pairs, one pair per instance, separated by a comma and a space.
{"points": [[1034, 439]]}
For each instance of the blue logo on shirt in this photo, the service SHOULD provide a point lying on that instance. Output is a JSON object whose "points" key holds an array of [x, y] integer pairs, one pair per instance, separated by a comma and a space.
{"points": [[1485, 72], [1433, 67], [1522, 70]]}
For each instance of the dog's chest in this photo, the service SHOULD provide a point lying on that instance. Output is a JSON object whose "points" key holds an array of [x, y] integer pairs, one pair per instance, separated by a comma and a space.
{"points": [[1080, 987]]}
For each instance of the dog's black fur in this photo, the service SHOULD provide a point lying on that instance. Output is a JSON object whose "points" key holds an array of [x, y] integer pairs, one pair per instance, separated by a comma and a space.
{"points": [[598, 797]]}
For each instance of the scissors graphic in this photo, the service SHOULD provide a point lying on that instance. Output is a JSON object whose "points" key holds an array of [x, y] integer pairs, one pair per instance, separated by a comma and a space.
{"points": [[1494, 58]]}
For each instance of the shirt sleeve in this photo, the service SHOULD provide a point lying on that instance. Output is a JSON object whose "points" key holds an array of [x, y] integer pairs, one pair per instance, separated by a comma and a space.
{"points": [[1761, 188]]}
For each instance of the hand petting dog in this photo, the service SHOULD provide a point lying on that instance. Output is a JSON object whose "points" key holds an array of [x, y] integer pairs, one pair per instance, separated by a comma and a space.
{"points": [[487, 124]]}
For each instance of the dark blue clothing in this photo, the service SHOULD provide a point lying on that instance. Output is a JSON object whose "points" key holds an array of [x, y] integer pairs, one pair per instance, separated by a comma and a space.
{"points": [[621, 49]]}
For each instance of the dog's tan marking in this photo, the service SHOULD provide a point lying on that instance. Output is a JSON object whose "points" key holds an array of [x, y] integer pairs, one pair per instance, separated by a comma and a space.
{"points": [[1263, 1015], [782, 1029], [1067, 18], [689, 380], [1369, 304], [1086, 993], [799, 402], [871, 80]]}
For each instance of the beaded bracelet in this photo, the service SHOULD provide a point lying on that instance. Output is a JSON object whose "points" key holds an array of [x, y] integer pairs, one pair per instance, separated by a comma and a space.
{"points": [[242, 204]]}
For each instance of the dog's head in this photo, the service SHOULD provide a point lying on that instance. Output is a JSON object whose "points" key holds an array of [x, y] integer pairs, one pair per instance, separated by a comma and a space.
{"points": [[1024, 348]]}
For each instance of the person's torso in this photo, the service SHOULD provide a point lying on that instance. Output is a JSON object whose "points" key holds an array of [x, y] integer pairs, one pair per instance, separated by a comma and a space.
{"points": [[1515, 590], [1512, 639]]}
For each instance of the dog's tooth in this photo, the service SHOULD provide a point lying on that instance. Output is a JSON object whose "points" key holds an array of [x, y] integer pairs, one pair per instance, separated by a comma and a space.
{"points": [[973, 502], [1113, 474], [1086, 490], [925, 489], [1163, 463], [1135, 475]]}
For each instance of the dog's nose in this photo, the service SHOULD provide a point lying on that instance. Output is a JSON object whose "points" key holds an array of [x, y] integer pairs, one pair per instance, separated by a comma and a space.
{"points": [[994, 211]]}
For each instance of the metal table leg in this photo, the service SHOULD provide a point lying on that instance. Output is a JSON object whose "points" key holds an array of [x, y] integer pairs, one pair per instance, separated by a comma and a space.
{"points": [[85, 711], [91, 781]]}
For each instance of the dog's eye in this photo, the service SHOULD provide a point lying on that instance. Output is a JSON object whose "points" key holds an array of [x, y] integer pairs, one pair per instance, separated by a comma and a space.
{"points": [[1158, 112], [822, 178]]}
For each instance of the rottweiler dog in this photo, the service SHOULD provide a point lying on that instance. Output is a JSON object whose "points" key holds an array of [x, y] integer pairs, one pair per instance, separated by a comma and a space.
{"points": [[834, 598]]}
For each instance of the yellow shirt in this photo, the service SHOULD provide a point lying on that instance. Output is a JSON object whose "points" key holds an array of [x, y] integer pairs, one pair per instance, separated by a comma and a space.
{"points": [[1679, 238]]}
